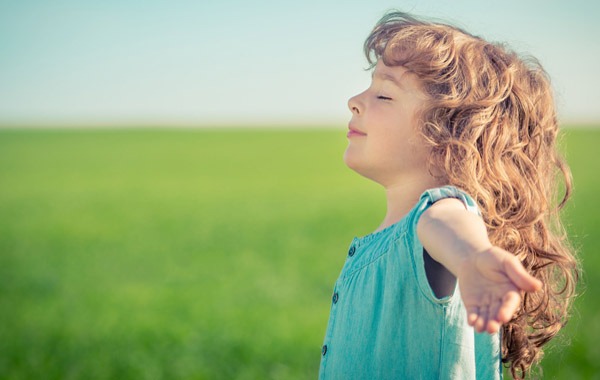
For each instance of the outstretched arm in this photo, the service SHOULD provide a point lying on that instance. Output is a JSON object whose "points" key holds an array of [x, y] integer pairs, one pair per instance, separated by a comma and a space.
{"points": [[490, 279]]}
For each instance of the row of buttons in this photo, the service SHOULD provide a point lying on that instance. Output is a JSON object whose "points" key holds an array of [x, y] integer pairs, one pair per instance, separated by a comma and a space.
{"points": [[336, 297]]}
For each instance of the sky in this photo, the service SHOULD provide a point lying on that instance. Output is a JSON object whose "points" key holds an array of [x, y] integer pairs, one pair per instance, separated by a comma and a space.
{"points": [[217, 63]]}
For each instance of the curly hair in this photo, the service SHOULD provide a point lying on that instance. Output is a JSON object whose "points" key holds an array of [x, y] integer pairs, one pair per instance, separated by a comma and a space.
{"points": [[492, 128]]}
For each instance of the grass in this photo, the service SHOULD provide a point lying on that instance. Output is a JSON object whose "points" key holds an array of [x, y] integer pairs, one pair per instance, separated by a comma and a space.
{"points": [[204, 254]]}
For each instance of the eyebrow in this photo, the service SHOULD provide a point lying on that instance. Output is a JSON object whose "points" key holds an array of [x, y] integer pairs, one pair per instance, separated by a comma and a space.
{"points": [[386, 76]]}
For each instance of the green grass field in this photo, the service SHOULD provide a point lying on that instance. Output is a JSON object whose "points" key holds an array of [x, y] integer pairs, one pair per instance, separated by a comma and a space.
{"points": [[205, 254]]}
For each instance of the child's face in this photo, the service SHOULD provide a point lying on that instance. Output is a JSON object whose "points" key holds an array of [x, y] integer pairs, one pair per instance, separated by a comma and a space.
{"points": [[384, 144]]}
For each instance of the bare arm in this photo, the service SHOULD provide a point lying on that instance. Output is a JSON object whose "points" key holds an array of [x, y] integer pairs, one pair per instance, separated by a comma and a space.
{"points": [[490, 278]]}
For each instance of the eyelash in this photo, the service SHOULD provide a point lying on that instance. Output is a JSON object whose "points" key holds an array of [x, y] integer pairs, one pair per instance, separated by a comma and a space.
{"points": [[383, 97]]}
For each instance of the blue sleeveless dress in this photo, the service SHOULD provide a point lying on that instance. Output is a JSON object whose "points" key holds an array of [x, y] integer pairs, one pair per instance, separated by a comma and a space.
{"points": [[386, 322]]}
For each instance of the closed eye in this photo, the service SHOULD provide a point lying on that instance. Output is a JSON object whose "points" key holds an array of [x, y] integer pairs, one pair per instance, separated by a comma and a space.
{"points": [[383, 97]]}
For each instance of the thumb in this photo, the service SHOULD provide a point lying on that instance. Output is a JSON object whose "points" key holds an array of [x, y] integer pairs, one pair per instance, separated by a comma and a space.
{"points": [[519, 275]]}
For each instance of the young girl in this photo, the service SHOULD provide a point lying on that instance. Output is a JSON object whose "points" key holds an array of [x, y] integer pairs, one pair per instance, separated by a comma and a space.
{"points": [[470, 267]]}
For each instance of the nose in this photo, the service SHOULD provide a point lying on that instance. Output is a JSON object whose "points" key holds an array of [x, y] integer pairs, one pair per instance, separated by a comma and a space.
{"points": [[353, 105]]}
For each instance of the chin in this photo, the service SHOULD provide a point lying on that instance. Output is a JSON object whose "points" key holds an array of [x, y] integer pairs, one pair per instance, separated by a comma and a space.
{"points": [[356, 164], [351, 160]]}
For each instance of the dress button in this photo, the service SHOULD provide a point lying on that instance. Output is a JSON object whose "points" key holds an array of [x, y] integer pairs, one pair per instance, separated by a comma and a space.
{"points": [[351, 251], [335, 297], [324, 350]]}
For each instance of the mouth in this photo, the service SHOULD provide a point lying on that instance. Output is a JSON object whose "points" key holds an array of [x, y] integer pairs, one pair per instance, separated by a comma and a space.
{"points": [[354, 132]]}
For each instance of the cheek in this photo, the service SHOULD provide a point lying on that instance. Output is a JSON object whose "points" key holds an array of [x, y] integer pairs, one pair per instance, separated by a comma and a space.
{"points": [[399, 148], [392, 139]]}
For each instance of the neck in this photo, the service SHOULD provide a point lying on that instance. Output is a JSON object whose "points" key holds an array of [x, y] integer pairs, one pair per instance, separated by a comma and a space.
{"points": [[402, 197]]}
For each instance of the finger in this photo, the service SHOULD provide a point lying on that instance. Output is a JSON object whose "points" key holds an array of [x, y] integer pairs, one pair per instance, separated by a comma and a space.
{"points": [[485, 315], [481, 322], [510, 303], [519, 276], [472, 315], [478, 325], [494, 322], [492, 326], [495, 310]]}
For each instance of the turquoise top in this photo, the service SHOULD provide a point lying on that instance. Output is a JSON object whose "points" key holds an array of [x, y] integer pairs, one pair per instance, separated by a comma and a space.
{"points": [[385, 320]]}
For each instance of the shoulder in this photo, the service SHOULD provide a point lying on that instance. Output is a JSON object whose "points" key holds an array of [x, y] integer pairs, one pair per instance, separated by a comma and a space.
{"points": [[438, 201], [445, 205], [448, 192]]}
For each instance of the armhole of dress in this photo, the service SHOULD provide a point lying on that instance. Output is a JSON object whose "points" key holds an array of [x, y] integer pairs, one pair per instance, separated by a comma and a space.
{"points": [[416, 249]]}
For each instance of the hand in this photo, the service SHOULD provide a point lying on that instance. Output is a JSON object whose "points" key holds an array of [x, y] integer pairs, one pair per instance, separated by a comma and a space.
{"points": [[490, 285]]}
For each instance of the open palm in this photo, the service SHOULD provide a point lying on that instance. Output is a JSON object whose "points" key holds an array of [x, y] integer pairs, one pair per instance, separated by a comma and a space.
{"points": [[490, 286]]}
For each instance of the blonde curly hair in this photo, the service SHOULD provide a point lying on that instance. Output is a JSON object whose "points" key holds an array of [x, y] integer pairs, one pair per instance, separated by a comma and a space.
{"points": [[492, 127]]}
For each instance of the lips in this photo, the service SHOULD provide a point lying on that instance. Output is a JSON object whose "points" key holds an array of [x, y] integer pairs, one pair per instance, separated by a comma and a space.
{"points": [[355, 132]]}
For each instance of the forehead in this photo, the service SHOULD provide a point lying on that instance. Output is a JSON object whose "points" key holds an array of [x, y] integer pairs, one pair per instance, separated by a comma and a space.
{"points": [[398, 75]]}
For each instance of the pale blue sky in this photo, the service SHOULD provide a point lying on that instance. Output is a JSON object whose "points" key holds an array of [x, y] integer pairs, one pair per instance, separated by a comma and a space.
{"points": [[68, 62]]}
